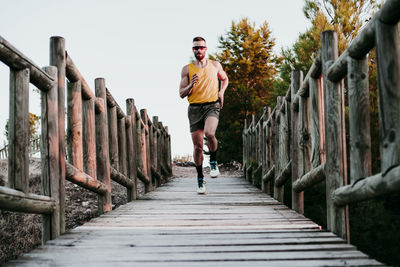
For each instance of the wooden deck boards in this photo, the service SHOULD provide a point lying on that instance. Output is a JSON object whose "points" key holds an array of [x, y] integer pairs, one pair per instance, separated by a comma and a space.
{"points": [[234, 224]]}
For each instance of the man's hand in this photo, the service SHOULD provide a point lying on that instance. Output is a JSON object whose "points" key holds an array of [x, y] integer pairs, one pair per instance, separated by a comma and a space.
{"points": [[221, 98]]}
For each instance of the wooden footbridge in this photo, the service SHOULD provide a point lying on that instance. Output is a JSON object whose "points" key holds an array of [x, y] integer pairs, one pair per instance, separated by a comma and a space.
{"points": [[236, 224]]}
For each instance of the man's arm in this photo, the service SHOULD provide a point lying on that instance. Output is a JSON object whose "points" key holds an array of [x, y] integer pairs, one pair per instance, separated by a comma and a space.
{"points": [[224, 82], [185, 88]]}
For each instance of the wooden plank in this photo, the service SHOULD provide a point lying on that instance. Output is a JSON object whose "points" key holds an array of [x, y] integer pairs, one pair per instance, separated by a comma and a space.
{"points": [[102, 148], [18, 131], [174, 226], [113, 136], [337, 218]]}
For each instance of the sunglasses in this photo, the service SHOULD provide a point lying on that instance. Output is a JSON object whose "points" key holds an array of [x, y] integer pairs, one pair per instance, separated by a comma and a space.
{"points": [[199, 47]]}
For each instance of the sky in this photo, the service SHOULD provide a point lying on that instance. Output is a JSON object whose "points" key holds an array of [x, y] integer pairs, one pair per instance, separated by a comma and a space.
{"points": [[139, 47]]}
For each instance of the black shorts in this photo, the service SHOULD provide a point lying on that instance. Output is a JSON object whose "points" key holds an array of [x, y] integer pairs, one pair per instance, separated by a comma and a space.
{"points": [[198, 113]]}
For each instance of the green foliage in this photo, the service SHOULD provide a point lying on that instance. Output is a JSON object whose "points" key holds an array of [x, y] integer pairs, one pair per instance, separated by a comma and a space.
{"points": [[246, 54]]}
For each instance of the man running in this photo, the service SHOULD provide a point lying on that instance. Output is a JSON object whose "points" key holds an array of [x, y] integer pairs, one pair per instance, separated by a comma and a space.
{"points": [[199, 82]]}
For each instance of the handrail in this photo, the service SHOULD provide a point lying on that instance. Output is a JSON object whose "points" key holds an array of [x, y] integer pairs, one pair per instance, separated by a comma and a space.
{"points": [[104, 143], [317, 149]]}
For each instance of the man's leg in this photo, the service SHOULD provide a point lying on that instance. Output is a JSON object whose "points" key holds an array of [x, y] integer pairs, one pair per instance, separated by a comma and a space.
{"points": [[197, 138], [210, 128]]}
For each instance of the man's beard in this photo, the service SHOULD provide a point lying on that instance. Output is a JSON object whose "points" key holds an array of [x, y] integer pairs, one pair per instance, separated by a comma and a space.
{"points": [[199, 56]]}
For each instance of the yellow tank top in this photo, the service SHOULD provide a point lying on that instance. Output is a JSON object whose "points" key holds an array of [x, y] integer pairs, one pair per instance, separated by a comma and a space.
{"points": [[206, 88]]}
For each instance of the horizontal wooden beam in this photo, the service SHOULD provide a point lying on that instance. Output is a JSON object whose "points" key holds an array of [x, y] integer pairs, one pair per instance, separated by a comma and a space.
{"points": [[86, 181], [142, 177], [112, 103], [311, 178], [367, 188], [121, 178], [365, 40], [16, 60], [284, 175], [14, 200], [269, 175]]}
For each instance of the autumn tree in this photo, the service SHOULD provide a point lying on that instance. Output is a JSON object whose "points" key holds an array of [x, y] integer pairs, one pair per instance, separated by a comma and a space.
{"points": [[246, 54], [34, 123]]}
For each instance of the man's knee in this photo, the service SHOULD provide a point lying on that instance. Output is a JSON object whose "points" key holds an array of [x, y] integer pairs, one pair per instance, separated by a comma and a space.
{"points": [[198, 148], [210, 135]]}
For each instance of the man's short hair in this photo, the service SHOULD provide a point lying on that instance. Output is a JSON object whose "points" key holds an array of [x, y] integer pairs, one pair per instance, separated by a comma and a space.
{"points": [[198, 38]]}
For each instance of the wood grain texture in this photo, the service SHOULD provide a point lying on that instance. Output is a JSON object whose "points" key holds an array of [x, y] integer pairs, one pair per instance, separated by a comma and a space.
{"points": [[18, 131], [74, 133], [234, 224], [89, 138], [337, 217], [359, 119], [388, 57]]}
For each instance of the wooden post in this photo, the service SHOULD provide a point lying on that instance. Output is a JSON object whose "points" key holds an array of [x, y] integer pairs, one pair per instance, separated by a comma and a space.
{"points": [[123, 168], [89, 138], [360, 138], [316, 122], [155, 148], [388, 57], [102, 149], [305, 144], [58, 59], [146, 148], [132, 148], [113, 136], [50, 157], [18, 131], [336, 174], [297, 198], [278, 191], [75, 142]]}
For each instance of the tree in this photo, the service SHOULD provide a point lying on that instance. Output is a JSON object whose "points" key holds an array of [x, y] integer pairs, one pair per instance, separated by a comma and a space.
{"points": [[34, 123], [246, 54]]}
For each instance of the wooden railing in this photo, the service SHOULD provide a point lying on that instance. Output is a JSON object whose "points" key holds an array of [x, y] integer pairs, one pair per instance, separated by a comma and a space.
{"points": [[303, 138], [103, 142]]}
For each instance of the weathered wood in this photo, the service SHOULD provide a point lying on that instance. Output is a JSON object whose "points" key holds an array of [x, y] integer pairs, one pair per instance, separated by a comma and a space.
{"points": [[74, 133], [102, 149], [305, 140], [368, 188], [113, 136], [265, 184], [388, 57], [316, 122], [78, 177], [112, 103], [123, 168], [89, 138], [337, 217], [58, 59], [131, 166], [15, 200], [284, 175], [146, 149], [132, 146], [309, 179], [153, 154], [280, 158], [18, 131], [50, 157], [359, 120], [143, 176], [121, 178], [270, 174], [18, 61], [297, 198]]}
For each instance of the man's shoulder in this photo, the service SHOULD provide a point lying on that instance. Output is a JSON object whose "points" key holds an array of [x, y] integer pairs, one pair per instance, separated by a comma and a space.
{"points": [[215, 63]]}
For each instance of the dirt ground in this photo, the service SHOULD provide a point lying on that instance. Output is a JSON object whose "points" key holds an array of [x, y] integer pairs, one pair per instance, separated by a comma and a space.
{"points": [[20, 232]]}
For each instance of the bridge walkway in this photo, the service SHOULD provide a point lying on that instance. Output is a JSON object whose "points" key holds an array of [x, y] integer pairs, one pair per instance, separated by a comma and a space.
{"points": [[234, 224]]}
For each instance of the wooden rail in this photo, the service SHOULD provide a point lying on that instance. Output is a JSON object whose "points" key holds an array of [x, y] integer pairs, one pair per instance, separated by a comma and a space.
{"points": [[303, 138], [103, 143]]}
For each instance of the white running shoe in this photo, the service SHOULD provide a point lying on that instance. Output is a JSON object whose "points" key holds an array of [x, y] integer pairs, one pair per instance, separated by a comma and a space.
{"points": [[201, 186], [214, 171]]}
